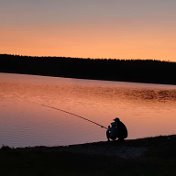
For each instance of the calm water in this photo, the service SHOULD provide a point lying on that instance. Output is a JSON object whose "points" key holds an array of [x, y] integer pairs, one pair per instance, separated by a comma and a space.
{"points": [[146, 109]]}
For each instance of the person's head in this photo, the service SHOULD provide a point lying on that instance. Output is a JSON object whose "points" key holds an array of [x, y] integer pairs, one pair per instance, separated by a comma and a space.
{"points": [[116, 119]]}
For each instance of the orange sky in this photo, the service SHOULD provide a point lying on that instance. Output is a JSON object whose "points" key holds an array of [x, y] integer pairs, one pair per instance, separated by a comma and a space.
{"points": [[147, 34]]}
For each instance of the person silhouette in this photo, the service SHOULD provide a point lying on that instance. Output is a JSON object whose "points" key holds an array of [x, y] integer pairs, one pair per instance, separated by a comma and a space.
{"points": [[116, 130]]}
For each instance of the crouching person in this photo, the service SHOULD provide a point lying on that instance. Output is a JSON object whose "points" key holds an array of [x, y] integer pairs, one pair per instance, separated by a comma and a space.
{"points": [[116, 130]]}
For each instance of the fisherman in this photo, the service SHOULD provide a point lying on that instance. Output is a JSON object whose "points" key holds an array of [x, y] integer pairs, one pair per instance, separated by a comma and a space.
{"points": [[116, 130]]}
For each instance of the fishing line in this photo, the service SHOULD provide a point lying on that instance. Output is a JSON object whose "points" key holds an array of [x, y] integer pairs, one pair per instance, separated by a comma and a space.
{"points": [[70, 113]]}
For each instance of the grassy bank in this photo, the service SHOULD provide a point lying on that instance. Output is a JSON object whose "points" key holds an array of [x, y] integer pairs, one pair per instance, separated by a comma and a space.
{"points": [[141, 157]]}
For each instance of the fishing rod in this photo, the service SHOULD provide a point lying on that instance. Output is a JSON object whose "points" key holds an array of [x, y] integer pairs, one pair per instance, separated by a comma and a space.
{"points": [[67, 112]]}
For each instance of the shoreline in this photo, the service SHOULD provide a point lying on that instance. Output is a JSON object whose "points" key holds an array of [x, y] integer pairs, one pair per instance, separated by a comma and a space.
{"points": [[129, 149], [89, 79], [139, 145], [153, 156]]}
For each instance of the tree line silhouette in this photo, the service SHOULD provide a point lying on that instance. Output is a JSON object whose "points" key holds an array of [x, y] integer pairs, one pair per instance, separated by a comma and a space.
{"points": [[150, 71]]}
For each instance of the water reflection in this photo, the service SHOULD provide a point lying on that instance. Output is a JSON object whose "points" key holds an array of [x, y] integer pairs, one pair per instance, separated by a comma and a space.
{"points": [[147, 109]]}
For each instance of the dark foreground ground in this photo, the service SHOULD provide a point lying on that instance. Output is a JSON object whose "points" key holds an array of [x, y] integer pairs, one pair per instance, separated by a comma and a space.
{"points": [[141, 157]]}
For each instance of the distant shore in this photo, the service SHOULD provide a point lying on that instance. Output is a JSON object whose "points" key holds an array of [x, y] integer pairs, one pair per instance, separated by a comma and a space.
{"points": [[144, 71], [155, 156]]}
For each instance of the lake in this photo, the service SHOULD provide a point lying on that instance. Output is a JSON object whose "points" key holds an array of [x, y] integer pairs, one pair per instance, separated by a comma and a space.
{"points": [[146, 109]]}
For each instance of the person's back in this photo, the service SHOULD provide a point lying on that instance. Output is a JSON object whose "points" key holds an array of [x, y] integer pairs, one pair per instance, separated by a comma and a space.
{"points": [[122, 130]]}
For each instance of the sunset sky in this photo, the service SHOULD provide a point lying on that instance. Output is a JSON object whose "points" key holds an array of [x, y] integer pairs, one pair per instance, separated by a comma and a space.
{"points": [[125, 29]]}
